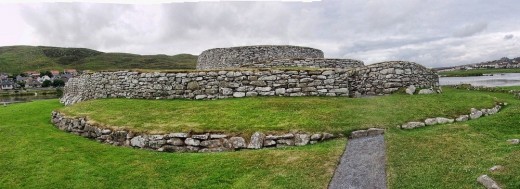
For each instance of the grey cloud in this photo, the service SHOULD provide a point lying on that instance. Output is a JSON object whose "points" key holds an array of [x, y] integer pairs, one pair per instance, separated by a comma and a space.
{"points": [[470, 29], [509, 36], [433, 33]]}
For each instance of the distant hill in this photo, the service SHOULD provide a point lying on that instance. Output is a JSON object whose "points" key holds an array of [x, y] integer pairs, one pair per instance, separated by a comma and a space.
{"points": [[16, 59]]}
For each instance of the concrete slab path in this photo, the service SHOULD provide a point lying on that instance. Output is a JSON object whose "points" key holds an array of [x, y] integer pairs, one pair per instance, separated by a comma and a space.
{"points": [[362, 166]]}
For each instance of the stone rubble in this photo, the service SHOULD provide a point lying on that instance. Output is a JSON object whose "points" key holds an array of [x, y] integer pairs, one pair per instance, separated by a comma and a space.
{"points": [[488, 182], [185, 142], [496, 168], [410, 90], [366, 133], [514, 141], [474, 114]]}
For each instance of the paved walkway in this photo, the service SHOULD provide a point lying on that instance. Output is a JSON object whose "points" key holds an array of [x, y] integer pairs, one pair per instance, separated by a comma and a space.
{"points": [[362, 166]]}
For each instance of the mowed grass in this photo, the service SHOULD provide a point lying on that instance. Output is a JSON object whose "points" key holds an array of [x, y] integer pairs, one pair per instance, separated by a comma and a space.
{"points": [[510, 88], [247, 115], [34, 154], [477, 72], [454, 155]]}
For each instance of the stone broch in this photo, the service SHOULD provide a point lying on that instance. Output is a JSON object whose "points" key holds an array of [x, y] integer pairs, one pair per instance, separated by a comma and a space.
{"points": [[334, 77]]}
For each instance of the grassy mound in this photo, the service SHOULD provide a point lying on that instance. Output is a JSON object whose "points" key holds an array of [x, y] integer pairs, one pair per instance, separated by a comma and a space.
{"points": [[247, 115]]}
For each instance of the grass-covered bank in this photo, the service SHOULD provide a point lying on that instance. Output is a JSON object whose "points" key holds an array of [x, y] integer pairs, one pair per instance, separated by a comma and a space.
{"points": [[247, 115], [477, 72], [34, 154], [31, 92], [454, 155]]}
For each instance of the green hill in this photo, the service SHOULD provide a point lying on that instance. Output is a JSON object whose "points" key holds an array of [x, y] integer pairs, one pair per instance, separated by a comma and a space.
{"points": [[16, 59]]}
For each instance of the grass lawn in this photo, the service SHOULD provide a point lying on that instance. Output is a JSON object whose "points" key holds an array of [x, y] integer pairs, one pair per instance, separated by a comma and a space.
{"points": [[34, 154], [454, 155], [477, 72], [511, 87], [247, 115]]}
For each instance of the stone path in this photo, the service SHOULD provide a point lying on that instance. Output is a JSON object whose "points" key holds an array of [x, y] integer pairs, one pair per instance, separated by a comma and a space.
{"points": [[362, 165]]}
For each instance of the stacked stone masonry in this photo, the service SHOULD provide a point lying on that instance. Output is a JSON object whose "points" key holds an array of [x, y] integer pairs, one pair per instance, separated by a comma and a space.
{"points": [[235, 57], [206, 84], [183, 142], [308, 63], [383, 78], [387, 77]]}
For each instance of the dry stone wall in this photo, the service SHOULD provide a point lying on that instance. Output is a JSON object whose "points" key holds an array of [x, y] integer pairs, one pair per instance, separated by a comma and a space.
{"points": [[387, 77], [206, 84], [377, 79], [235, 57], [184, 142], [309, 62]]}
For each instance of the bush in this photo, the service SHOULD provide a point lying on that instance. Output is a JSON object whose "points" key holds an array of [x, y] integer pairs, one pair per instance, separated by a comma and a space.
{"points": [[46, 83], [59, 92], [58, 83]]}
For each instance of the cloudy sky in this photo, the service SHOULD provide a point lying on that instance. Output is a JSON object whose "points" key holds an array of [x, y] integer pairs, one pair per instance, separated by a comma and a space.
{"points": [[431, 32]]}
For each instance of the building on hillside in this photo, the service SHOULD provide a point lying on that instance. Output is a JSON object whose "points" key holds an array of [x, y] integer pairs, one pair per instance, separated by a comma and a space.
{"points": [[70, 71], [44, 78], [21, 78], [55, 73], [3, 76], [32, 83], [7, 84], [33, 73], [64, 77]]}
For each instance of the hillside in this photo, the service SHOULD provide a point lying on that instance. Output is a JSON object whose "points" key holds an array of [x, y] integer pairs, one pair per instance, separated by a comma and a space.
{"points": [[16, 59]]}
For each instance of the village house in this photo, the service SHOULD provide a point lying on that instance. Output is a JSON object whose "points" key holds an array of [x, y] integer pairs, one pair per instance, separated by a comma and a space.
{"points": [[55, 72], [33, 74], [6, 84], [32, 83], [3, 76], [43, 78], [70, 71]]}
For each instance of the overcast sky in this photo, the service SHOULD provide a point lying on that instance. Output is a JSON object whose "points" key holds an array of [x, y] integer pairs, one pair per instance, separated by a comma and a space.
{"points": [[431, 32]]}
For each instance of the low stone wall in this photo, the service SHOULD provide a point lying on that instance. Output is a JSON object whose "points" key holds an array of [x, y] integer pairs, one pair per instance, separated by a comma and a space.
{"points": [[235, 57], [309, 62], [387, 77], [183, 142], [474, 114], [206, 84]]}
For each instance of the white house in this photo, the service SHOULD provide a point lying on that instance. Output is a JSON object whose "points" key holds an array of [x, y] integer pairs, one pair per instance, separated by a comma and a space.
{"points": [[6, 84], [43, 78]]}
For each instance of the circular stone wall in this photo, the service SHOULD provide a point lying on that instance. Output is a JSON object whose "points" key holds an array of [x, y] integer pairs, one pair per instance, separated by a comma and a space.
{"points": [[235, 57]]}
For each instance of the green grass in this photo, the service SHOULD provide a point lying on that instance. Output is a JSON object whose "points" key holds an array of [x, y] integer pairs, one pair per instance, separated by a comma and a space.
{"points": [[247, 115], [477, 72], [510, 87], [34, 154], [16, 59], [454, 155]]}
